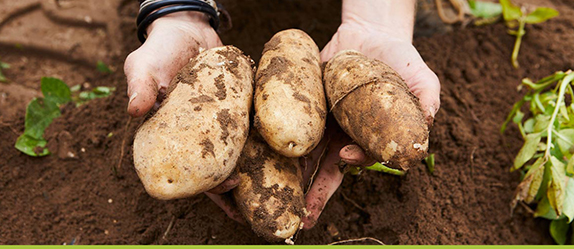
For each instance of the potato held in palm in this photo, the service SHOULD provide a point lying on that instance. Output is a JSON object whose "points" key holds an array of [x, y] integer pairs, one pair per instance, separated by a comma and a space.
{"points": [[191, 144], [375, 107]]}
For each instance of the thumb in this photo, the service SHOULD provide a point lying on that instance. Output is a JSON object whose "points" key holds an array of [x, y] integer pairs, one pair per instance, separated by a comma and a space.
{"points": [[426, 86], [142, 86]]}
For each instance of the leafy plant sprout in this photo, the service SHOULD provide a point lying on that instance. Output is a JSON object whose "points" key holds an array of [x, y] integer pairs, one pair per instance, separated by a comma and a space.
{"points": [[548, 136], [516, 20]]}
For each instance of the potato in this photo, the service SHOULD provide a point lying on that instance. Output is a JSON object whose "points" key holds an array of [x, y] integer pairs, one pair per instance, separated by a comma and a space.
{"points": [[191, 144], [290, 105], [270, 193], [375, 107]]}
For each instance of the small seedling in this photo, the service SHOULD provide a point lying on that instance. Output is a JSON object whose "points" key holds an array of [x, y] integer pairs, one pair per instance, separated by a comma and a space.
{"points": [[546, 156], [3, 65], [429, 160], [41, 111], [516, 20], [96, 93]]}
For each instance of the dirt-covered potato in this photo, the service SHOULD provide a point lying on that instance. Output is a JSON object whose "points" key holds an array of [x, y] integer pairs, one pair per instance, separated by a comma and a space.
{"points": [[270, 193], [374, 106], [191, 144], [290, 105]]}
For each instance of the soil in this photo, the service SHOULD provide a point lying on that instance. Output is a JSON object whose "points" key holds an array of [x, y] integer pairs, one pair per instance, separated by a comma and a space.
{"points": [[74, 196]]}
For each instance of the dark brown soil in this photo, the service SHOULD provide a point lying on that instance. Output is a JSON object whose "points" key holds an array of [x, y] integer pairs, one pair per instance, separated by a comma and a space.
{"points": [[61, 199]]}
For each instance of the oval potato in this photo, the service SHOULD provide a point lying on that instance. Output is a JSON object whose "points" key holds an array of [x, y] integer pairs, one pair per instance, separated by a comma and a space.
{"points": [[375, 107], [191, 144], [290, 105], [270, 193]]}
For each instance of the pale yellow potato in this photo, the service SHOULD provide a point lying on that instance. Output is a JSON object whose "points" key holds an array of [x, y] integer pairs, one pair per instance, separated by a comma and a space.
{"points": [[270, 193], [375, 107], [191, 144], [290, 105]]}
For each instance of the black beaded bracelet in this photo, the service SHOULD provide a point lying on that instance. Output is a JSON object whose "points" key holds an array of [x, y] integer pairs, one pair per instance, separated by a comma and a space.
{"points": [[149, 14]]}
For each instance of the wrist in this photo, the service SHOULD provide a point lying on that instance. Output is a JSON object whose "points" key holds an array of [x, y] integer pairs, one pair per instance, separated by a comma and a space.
{"points": [[188, 18], [393, 18]]}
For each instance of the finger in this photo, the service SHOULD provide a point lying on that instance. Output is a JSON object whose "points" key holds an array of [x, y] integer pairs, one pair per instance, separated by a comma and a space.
{"points": [[426, 86], [310, 162], [325, 184], [354, 155], [227, 205], [227, 185], [142, 87]]}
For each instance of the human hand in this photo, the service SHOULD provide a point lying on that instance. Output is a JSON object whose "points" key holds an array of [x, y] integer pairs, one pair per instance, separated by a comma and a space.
{"points": [[392, 44], [172, 40]]}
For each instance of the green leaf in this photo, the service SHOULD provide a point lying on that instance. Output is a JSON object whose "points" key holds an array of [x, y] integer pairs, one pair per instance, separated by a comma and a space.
{"points": [[527, 150], [382, 168], [31, 146], [103, 91], [510, 11], [537, 176], [568, 209], [515, 108], [556, 190], [4, 65], [529, 125], [76, 88], [565, 140], [98, 92], [39, 114], [518, 117], [541, 123], [485, 9], [541, 14], [570, 166], [56, 90], [559, 230], [102, 67], [544, 210]]}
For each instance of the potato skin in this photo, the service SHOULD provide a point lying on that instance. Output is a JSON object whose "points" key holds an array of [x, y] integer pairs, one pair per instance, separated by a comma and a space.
{"points": [[290, 105], [375, 107], [270, 193], [191, 144]]}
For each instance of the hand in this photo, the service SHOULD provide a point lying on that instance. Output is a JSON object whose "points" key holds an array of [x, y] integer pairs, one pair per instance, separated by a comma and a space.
{"points": [[397, 51], [172, 40]]}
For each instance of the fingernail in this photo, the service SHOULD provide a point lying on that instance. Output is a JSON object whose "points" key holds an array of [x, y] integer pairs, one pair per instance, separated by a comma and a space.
{"points": [[134, 95]]}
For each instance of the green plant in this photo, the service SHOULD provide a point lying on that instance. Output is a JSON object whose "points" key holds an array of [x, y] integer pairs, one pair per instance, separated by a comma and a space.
{"points": [[485, 12], [546, 156], [516, 20], [41, 111], [3, 65], [102, 67]]}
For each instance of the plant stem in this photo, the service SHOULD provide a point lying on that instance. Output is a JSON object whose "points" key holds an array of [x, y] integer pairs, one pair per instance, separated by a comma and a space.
{"points": [[382, 168], [563, 84], [519, 34]]}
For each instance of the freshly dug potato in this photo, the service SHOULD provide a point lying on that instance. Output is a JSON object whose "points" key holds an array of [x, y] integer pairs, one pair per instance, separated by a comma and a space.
{"points": [[375, 107], [191, 144], [290, 105], [270, 193]]}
